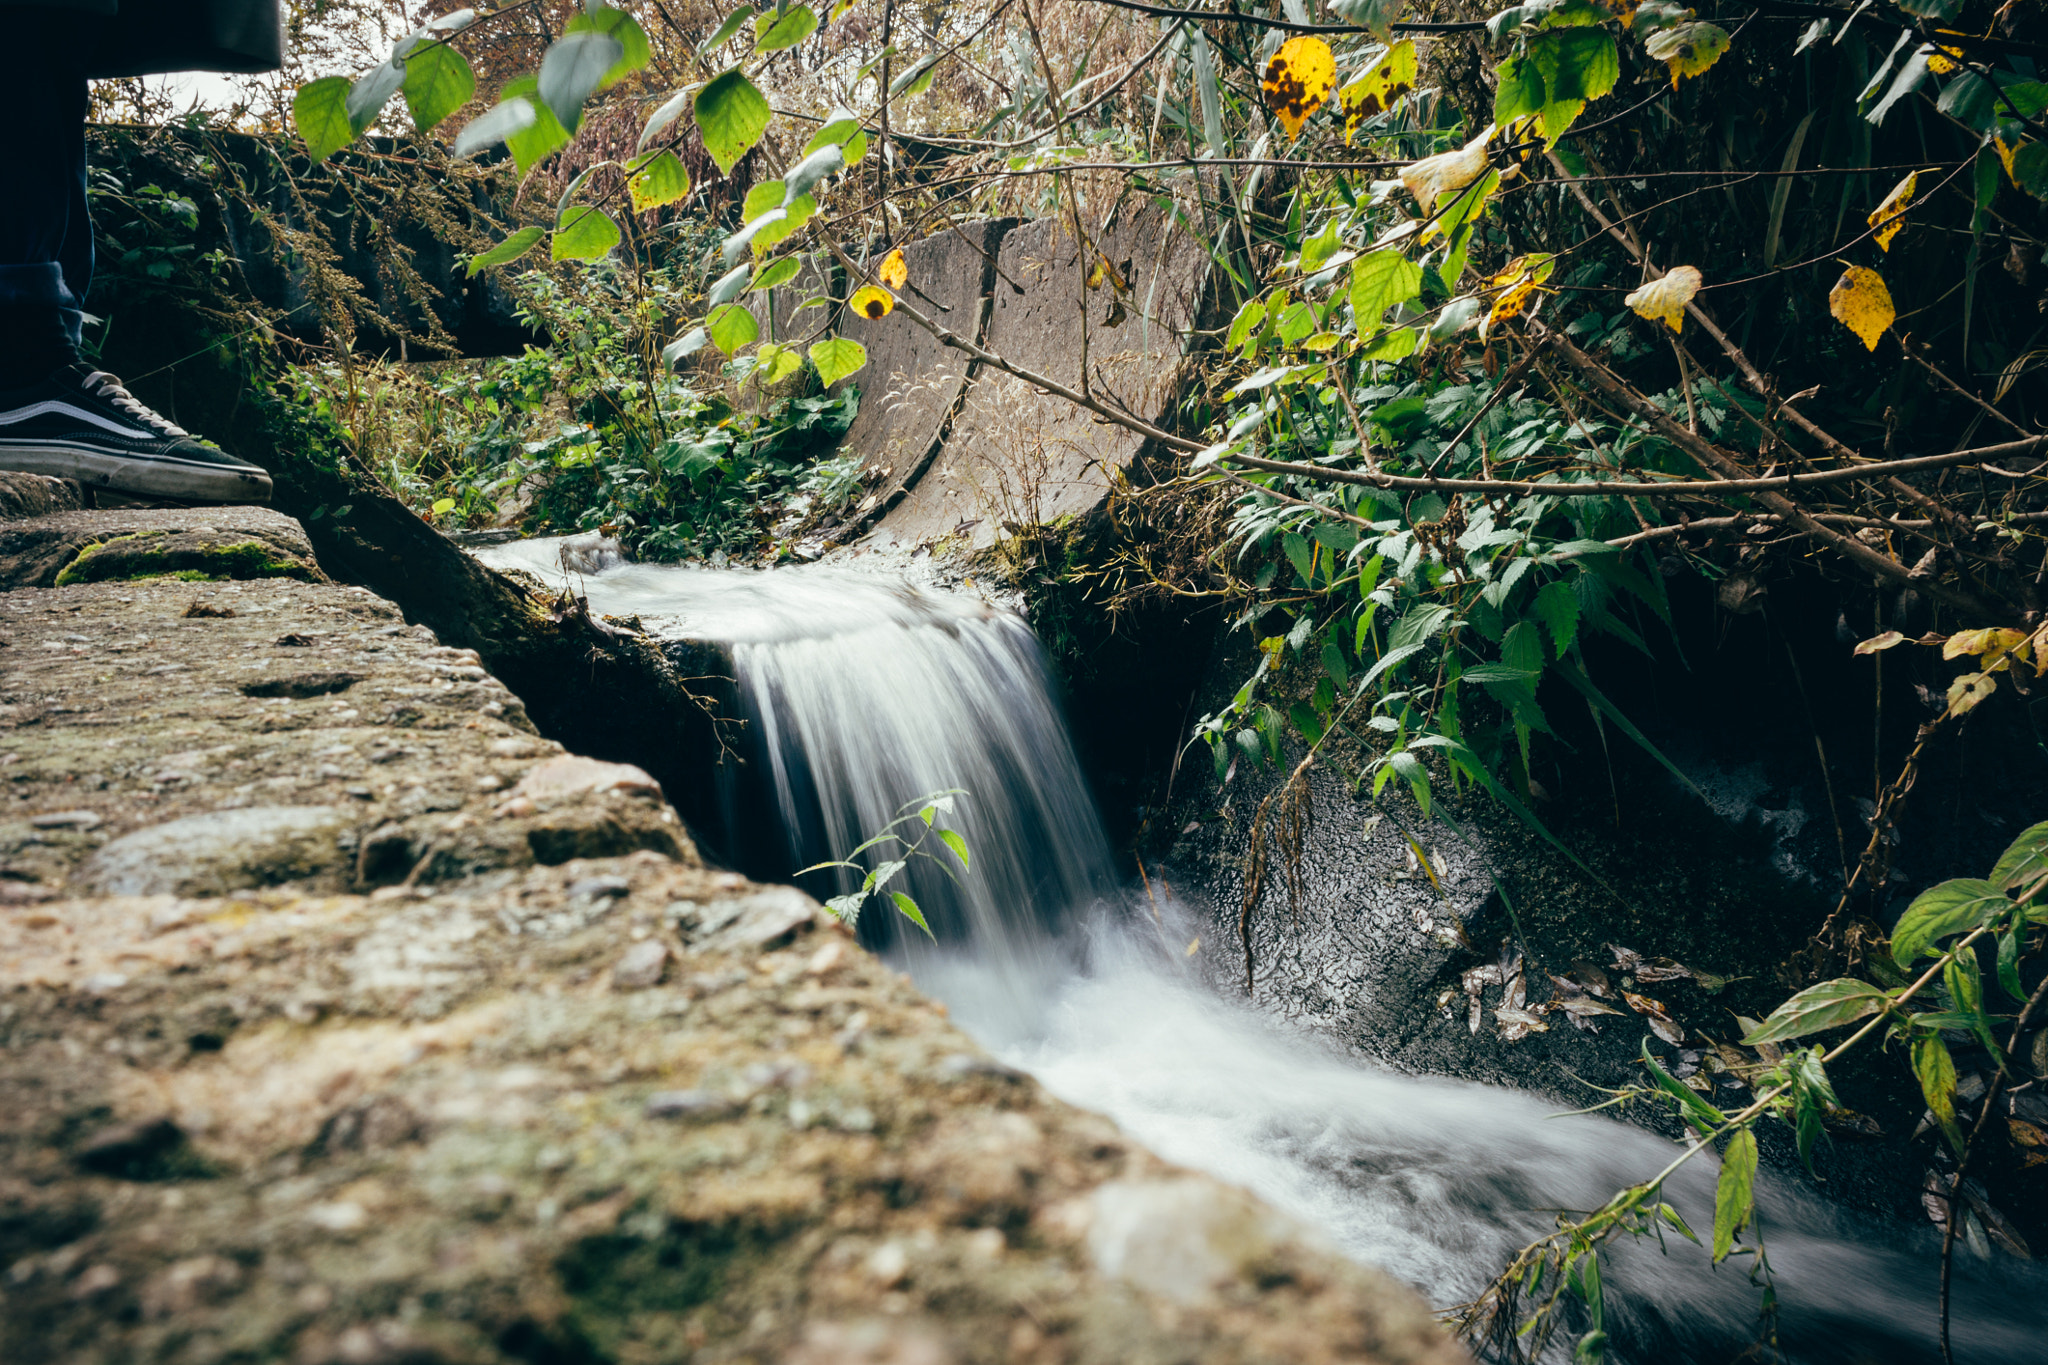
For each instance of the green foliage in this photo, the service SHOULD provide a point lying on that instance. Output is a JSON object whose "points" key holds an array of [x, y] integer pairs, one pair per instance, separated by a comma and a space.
{"points": [[919, 820]]}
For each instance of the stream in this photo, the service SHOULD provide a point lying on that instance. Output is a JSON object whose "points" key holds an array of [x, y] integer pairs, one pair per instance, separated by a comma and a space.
{"points": [[863, 692]]}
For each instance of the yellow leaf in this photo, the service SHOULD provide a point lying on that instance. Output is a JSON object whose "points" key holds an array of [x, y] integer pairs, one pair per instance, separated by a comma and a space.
{"points": [[2006, 154], [1433, 177], [1860, 302], [1687, 49], [1991, 645], [1966, 691], [1374, 90], [1664, 300], [893, 271], [1890, 216], [1510, 304], [872, 303], [1321, 341], [1944, 61], [1298, 79]]}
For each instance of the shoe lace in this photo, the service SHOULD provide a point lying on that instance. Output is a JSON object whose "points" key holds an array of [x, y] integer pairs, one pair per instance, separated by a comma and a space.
{"points": [[103, 385]]}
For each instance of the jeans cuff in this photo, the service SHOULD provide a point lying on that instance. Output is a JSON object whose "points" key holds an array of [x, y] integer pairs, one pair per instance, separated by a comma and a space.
{"points": [[40, 283]]}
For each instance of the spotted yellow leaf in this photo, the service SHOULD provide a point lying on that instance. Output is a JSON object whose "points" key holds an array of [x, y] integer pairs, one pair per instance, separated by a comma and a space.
{"points": [[1433, 177], [1944, 61], [1511, 303], [1298, 79], [872, 303], [1890, 216], [1688, 49], [893, 271], [1374, 90], [1860, 302], [1663, 300]]}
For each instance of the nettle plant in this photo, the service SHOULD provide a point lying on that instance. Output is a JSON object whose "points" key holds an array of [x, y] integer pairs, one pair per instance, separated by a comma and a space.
{"points": [[537, 115], [1926, 1007]]}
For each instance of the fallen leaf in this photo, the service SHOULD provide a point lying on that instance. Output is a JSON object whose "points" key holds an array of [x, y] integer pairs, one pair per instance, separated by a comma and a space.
{"points": [[1517, 1024], [1589, 978], [1584, 1006], [1860, 302], [2026, 1134], [1661, 1023], [1664, 300], [1890, 216], [1652, 969], [1298, 80]]}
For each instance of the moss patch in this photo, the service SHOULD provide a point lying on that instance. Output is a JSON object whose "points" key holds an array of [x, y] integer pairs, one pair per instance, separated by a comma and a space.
{"points": [[161, 554]]}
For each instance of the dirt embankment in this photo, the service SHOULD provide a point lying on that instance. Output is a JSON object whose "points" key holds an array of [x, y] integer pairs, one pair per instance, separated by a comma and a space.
{"points": [[346, 1021]]}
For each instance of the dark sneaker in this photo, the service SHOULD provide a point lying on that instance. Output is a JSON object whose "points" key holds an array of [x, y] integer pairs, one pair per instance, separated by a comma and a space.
{"points": [[81, 424]]}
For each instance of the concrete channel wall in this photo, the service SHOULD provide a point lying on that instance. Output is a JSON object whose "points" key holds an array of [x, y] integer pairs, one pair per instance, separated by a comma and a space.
{"points": [[961, 448]]}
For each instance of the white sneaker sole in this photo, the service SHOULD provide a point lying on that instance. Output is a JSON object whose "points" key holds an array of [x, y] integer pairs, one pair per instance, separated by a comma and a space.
{"points": [[160, 476]]}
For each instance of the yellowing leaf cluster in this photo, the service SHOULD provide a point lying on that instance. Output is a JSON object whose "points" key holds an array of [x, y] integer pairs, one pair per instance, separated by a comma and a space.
{"points": [[1664, 299], [1374, 90], [1298, 80], [1860, 302]]}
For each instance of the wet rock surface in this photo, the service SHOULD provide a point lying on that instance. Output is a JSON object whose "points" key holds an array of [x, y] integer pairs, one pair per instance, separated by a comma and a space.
{"points": [[351, 1022], [75, 546]]}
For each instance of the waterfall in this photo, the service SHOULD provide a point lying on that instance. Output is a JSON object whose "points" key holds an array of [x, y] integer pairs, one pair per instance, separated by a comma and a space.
{"points": [[862, 693]]}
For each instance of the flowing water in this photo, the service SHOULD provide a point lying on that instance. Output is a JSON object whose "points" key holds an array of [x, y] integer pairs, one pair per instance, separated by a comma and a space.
{"points": [[862, 693]]}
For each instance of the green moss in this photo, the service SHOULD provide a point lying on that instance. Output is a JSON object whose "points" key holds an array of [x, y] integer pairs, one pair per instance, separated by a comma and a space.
{"points": [[123, 559]]}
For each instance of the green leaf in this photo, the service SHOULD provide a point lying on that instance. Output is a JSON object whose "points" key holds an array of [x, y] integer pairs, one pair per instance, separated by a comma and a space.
{"points": [[1496, 673], [509, 250], [953, 841], [1419, 624], [836, 358], [1557, 606], [688, 344], [1936, 1071], [320, 112], [2009, 966], [1560, 74], [537, 140], [1379, 280], [734, 22], [620, 26], [1374, 16], [775, 363], [772, 34], [760, 199], [909, 909], [1692, 1108], [1247, 322], [657, 181], [1950, 908], [2025, 860], [584, 234], [371, 90], [732, 326], [782, 272], [1735, 1191], [794, 216], [1398, 344], [576, 64], [732, 114], [917, 79], [1818, 1007], [1298, 554], [438, 81]]}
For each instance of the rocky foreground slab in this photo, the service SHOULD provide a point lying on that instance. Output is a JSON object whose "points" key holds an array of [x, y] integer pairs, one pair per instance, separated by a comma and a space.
{"points": [[346, 1021]]}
